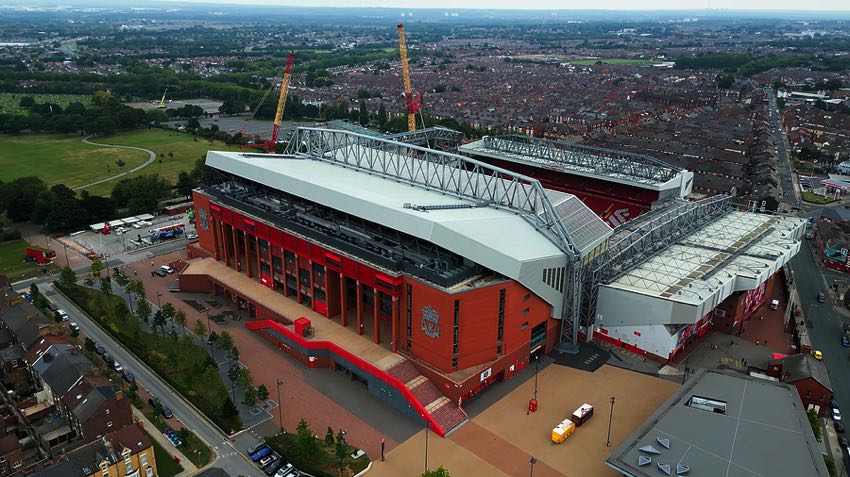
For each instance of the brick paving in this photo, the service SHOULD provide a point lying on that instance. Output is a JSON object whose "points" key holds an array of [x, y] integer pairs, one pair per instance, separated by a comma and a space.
{"points": [[300, 400]]}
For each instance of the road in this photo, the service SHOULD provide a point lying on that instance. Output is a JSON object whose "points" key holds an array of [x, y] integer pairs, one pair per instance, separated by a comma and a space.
{"points": [[229, 457], [825, 331], [783, 163]]}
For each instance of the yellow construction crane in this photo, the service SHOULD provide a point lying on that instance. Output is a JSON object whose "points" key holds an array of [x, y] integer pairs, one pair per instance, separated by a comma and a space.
{"points": [[269, 144], [413, 103], [162, 101]]}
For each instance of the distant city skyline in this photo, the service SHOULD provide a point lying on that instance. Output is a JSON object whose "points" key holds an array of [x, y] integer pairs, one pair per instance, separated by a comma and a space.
{"points": [[626, 5]]}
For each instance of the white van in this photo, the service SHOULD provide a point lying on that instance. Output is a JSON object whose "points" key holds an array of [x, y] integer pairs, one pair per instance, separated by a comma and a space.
{"points": [[774, 304]]}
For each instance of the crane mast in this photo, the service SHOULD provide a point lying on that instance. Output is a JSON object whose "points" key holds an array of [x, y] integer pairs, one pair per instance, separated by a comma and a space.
{"points": [[281, 102], [413, 103]]}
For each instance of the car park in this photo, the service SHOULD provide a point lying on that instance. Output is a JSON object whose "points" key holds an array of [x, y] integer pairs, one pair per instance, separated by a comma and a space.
{"points": [[836, 415]]}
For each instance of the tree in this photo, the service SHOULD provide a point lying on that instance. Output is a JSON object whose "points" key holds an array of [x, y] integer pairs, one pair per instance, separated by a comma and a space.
{"points": [[26, 101], [814, 422], [75, 332], [199, 328], [180, 319], [121, 278], [438, 472], [34, 291], [143, 310], [225, 341], [329, 437], [382, 116], [90, 345], [168, 311], [244, 379], [106, 285], [185, 184], [96, 267], [262, 392], [305, 443], [363, 114], [228, 410], [250, 397], [136, 287], [159, 320], [340, 451], [67, 276]]}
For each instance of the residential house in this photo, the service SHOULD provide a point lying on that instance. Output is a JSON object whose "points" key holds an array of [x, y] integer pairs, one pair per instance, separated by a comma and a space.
{"points": [[808, 375], [11, 455]]}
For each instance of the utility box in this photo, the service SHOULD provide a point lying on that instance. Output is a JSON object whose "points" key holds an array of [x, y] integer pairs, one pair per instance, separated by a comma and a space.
{"points": [[303, 326], [582, 414], [562, 431]]}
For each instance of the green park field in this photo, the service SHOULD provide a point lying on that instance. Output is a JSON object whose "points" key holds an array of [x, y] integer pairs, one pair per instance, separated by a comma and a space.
{"points": [[12, 262], [61, 159], [175, 152], [10, 102], [64, 159]]}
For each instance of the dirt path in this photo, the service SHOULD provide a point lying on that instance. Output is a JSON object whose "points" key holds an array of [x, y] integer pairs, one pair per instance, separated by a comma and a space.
{"points": [[151, 158]]}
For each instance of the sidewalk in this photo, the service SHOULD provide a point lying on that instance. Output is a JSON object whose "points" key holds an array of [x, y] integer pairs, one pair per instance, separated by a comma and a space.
{"points": [[188, 467]]}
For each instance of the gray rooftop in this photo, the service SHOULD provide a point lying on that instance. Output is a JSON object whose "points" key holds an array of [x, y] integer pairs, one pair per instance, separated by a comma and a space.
{"points": [[763, 432], [801, 366]]}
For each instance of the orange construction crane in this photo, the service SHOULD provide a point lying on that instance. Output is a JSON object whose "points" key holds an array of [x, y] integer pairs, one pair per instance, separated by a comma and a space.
{"points": [[269, 144], [413, 103]]}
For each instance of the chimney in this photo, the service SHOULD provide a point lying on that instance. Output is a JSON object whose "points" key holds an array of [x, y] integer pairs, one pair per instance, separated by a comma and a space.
{"points": [[107, 444]]}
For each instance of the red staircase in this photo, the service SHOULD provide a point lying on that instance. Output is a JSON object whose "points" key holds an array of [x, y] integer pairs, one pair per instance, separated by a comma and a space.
{"points": [[442, 414]]}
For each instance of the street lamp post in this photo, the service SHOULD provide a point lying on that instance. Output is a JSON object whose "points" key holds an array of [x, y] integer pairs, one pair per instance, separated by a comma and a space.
{"points": [[426, 444], [685, 373], [209, 333], [279, 405], [610, 418], [158, 294], [67, 262], [536, 370], [532, 461]]}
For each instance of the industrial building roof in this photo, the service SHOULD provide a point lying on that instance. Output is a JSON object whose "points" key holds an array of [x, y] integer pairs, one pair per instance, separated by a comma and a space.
{"points": [[616, 166], [737, 252], [724, 424]]}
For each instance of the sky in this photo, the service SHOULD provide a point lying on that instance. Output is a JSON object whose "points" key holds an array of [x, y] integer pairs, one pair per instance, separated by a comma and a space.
{"points": [[796, 5]]}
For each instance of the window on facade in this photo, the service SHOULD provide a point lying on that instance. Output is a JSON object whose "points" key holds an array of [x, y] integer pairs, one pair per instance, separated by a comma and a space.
{"points": [[105, 473], [107, 411], [318, 274], [143, 458], [456, 329], [16, 464], [808, 393], [409, 313], [524, 326], [454, 363], [821, 398], [109, 424], [129, 466], [526, 297], [525, 311]]}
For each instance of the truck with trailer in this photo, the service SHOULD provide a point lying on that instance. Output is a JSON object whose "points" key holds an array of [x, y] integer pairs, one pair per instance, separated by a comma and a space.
{"points": [[39, 255]]}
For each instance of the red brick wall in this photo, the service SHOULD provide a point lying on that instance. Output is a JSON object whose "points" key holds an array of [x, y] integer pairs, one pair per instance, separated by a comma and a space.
{"points": [[817, 391], [195, 283], [478, 323], [205, 237]]}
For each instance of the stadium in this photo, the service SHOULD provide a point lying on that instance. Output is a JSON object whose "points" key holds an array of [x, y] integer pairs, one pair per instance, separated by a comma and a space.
{"points": [[429, 271]]}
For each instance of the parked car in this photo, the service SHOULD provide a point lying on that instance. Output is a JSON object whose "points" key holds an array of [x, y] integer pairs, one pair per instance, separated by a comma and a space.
{"points": [[192, 236], [268, 459], [63, 314], [278, 464], [107, 358], [167, 269], [284, 473], [822, 297], [264, 451], [154, 401], [99, 349], [845, 341], [836, 415], [839, 427], [53, 307], [129, 377], [74, 326], [843, 441], [255, 447], [166, 412], [117, 367], [160, 272]]}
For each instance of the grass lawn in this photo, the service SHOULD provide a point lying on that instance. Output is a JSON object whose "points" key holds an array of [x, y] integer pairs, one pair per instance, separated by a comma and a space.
{"points": [[615, 61], [165, 465], [12, 261], [61, 159], [184, 364], [816, 198], [193, 448], [10, 102], [323, 464], [185, 148]]}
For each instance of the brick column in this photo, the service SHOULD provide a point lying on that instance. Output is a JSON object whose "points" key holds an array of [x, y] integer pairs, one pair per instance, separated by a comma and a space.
{"points": [[359, 308], [247, 255], [395, 306], [236, 256], [297, 278], [377, 324], [327, 301], [213, 228], [342, 293], [259, 263], [271, 263], [283, 265]]}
